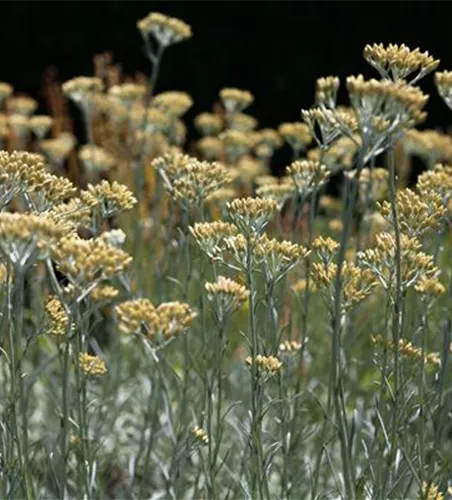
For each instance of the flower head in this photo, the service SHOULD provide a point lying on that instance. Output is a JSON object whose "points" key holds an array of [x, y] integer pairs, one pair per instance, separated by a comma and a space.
{"points": [[443, 81], [24, 237], [57, 316], [87, 261], [92, 365], [82, 89], [236, 100], [40, 124], [226, 294], [397, 62], [166, 30], [22, 105], [266, 364], [208, 124], [108, 198], [200, 435], [296, 134], [251, 215], [307, 176], [174, 103], [5, 90]]}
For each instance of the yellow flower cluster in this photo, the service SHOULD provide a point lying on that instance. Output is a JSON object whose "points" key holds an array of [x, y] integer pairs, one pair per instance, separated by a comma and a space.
{"points": [[58, 317], [109, 198], [408, 350], [438, 180], [331, 123], [278, 256], [82, 88], [431, 492], [40, 125], [430, 287], [5, 90], [85, 261], [265, 141], [58, 149], [236, 143], [443, 81], [251, 215], [73, 212], [296, 134], [396, 103], [396, 62], [127, 93], [208, 124], [22, 234], [230, 294], [326, 91], [289, 346], [222, 195], [20, 171], [92, 365], [22, 105], [325, 248], [174, 103], [415, 264], [279, 192], [242, 122], [307, 175], [198, 180], [236, 100], [357, 283], [166, 30], [431, 145], [416, 213], [200, 435], [166, 320], [95, 159], [268, 364], [102, 293]]}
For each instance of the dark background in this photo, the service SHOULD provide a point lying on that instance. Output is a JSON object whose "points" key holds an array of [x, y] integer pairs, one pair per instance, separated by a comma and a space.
{"points": [[276, 49]]}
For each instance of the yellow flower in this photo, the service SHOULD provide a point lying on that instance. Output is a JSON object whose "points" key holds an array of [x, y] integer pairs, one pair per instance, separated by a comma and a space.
{"points": [[92, 365], [166, 30], [267, 364], [236, 100], [396, 62]]}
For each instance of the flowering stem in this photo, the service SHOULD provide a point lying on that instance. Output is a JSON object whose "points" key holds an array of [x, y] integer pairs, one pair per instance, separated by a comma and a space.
{"points": [[258, 480], [65, 416], [81, 405], [397, 311], [351, 193], [18, 308]]}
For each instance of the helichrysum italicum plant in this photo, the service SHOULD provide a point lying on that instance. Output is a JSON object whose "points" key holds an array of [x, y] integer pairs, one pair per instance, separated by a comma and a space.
{"points": [[347, 418]]}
